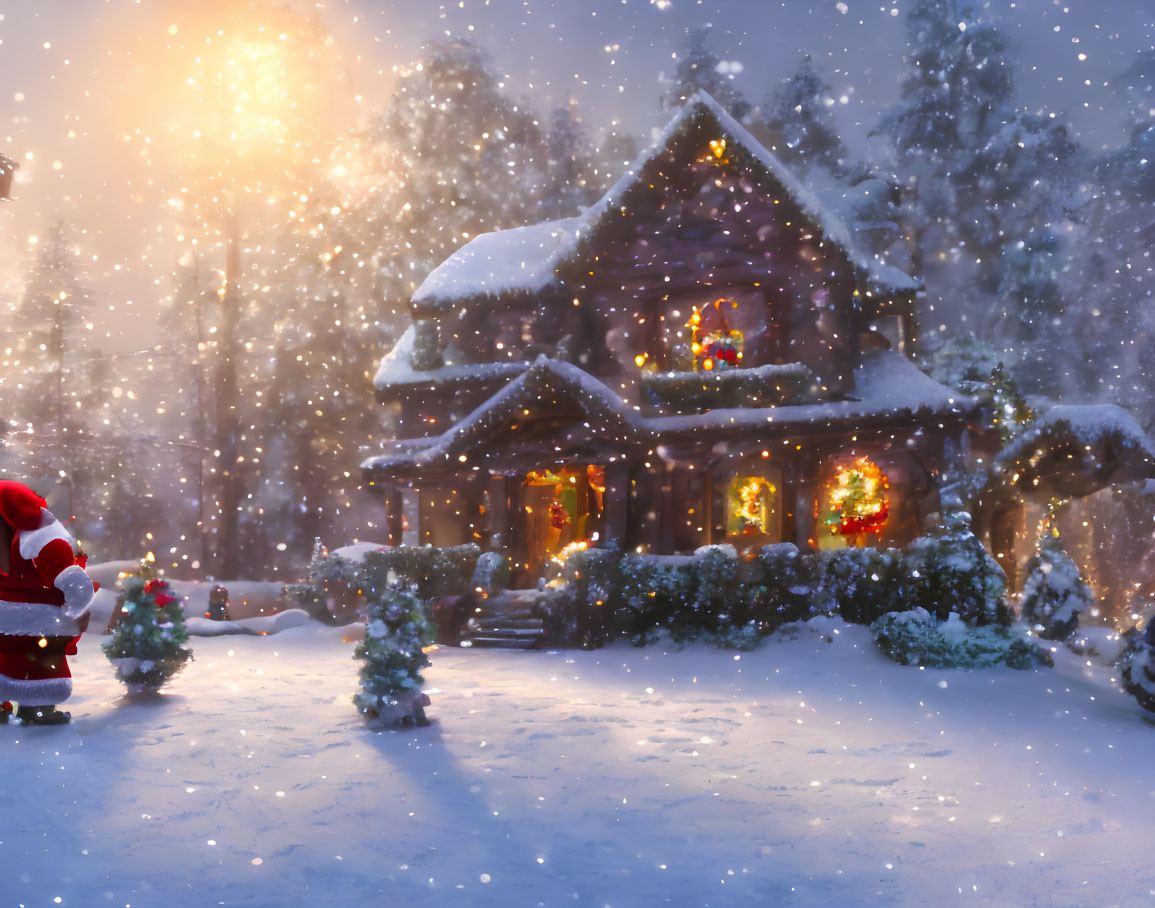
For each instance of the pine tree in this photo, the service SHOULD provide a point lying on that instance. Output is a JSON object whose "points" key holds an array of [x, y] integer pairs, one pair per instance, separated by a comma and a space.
{"points": [[462, 158], [698, 69], [799, 115], [1116, 318], [1054, 593], [954, 98], [573, 179], [147, 644], [392, 656]]}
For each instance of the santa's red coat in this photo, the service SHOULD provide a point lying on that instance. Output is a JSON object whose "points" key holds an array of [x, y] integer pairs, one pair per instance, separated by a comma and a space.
{"points": [[38, 629]]}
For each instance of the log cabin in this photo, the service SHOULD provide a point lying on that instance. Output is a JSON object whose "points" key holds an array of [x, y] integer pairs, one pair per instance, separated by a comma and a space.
{"points": [[701, 357]]}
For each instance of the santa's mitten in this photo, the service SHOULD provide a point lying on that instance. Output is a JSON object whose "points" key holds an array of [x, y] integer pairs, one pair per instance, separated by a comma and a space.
{"points": [[77, 588]]}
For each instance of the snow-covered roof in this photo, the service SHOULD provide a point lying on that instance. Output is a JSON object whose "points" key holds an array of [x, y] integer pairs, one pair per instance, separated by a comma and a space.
{"points": [[522, 258], [888, 386], [396, 368], [526, 259], [1070, 451]]}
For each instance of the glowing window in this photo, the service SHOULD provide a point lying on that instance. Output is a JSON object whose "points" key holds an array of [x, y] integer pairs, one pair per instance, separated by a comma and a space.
{"points": [[753, 506], [855, 501], [715, 344]]}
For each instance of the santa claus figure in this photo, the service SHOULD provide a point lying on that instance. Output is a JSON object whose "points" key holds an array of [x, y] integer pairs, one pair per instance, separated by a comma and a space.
{"points": [[44, 597]]}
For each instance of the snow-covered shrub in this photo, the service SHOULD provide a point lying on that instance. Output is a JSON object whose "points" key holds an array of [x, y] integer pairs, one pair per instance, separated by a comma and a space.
{"points": [[917, 637], [330, 584], [491, 573], [859, 584], [392, 656], [659, 593], [951, 571], [147, 644], [434, 570], [1137, 666], [773, 589], [580, 610], [1053, 593]]}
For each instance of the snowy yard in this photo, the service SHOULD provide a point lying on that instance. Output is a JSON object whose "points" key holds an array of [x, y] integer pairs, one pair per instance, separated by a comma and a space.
{"points": [[805, 773]]}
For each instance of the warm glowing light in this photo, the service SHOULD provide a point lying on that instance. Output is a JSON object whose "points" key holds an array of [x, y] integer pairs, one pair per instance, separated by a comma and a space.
{"points": [[857, 500], [753, 505]]}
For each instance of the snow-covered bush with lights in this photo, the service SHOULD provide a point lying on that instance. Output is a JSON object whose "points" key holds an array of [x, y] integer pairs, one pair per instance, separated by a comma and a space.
{"points": [[682, 595], [392, 654], [147, 644], [1137, 666], [918, 637], [950, 571], [1054, 593], [859, 584]]}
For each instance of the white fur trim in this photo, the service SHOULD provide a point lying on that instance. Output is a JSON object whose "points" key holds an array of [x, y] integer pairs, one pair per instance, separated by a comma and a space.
{"points": [[45, 692], [33, 541], [37, 619], [77, 589]]}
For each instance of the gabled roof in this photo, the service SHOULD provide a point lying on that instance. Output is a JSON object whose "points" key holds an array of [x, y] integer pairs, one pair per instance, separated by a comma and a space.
{"points": [[527, 259], [600, 406], [890, 388]]}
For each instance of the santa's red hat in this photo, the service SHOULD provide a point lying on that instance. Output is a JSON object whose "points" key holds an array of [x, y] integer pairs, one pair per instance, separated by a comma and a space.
{"points": [[20, 507]]}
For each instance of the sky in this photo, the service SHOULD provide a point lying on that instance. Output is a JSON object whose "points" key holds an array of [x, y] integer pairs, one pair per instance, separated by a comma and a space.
{"points": [[73, 71]]}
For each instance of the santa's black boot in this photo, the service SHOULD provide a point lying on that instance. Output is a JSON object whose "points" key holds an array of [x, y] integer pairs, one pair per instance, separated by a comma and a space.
{"points": [[42, 715]]}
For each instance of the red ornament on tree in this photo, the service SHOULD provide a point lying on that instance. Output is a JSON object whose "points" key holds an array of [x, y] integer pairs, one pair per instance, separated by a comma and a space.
{"points": [[558, 516]]}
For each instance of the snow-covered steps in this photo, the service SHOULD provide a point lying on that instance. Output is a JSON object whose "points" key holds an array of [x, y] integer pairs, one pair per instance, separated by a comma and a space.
{"points": [[509, 619]]}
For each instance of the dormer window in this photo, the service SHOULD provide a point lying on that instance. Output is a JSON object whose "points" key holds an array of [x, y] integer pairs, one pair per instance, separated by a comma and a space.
{"points": [[714, 342]]}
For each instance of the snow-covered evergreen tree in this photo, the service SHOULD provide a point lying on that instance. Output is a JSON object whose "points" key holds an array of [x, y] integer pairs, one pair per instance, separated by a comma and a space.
{"points": [[392, 656], [949, 571], [573, 181], [799, 114], [1137, 666], [463, 157], [1054, 593], [699, 68], [147, 644]]}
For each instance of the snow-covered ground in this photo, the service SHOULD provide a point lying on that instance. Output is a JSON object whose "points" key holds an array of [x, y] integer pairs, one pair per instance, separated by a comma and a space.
{"points": [[805, 773]]}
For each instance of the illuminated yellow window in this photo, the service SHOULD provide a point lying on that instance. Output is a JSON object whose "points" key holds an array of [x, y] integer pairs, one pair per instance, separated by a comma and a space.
{"points": [[714, 343], [855, 503], [753, 507]]}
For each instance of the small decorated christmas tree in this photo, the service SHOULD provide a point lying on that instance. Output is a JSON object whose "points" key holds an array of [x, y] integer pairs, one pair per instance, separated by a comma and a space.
{"points": [[392, 653], [146, 645], [1053, 593]]}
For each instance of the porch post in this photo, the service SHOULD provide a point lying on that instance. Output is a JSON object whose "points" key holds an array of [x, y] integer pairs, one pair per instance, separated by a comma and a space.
{"points": [[394, 515], [499, 527], [617, 502]]}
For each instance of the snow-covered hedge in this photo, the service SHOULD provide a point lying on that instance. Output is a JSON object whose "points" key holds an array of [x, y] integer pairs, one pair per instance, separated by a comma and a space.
{"points": [[763, 386], [334, 582], [736, 601], [859, 584], [917, 637]]}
